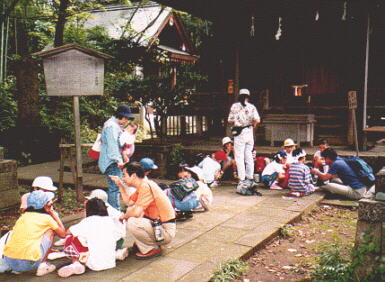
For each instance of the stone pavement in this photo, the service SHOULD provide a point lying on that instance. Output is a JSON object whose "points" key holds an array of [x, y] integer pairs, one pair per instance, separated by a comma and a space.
{"points": [[234, 227]]}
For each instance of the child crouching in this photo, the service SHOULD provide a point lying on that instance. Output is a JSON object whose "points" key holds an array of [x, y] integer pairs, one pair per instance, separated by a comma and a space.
{"points": [[300, 181], [92, 242]]}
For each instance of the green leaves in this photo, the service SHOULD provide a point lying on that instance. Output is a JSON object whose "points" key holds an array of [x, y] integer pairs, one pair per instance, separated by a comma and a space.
{"points": [[230, 270]]}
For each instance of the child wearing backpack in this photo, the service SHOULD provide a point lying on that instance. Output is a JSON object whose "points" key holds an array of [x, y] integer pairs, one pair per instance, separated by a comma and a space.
{"points": [[351, 185]]}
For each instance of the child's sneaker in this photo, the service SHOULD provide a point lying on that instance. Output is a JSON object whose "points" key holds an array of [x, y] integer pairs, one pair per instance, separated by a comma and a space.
{"points": [[296, 194], [121, 254], [56, 255], [275, 186], [45, 268], [214, 184], [74, 268], [60, 242]]}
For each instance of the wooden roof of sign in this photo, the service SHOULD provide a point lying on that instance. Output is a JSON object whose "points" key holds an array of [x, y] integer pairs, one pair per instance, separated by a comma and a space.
{"points": [[61, 49]]}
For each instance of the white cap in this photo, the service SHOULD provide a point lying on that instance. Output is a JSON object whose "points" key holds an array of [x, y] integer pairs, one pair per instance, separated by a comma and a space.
{"points": [[44, 182], [195, 169], [244, 91], [226, 140], [300, 155], [98, 193]]}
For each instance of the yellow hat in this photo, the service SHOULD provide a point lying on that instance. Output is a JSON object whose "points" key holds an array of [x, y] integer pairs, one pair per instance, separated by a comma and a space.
{"points": [[289, 142]]}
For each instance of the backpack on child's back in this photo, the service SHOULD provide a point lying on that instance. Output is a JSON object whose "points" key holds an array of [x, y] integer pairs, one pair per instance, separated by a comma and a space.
{"points": [[362, 170]]}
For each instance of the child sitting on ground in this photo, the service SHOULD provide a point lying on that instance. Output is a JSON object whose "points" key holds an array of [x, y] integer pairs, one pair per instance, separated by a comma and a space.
{"points": [[92, 241], [274, 174], [211, 168], [33, 234], [300, 182], [43, 183], [127, 141]]}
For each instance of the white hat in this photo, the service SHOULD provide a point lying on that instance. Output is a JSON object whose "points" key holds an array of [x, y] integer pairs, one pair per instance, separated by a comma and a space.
{"points": [[226, 140], [195, 169], [98, 193], [288, 142], [300, 155], [244, 91], [44, 182]]}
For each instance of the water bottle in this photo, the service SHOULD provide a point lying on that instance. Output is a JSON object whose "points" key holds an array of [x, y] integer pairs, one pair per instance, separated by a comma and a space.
{"points": [[158, 231]]}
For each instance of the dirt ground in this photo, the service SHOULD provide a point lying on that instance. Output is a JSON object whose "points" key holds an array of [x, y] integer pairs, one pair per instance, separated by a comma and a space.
{"points": [[294, 257]]}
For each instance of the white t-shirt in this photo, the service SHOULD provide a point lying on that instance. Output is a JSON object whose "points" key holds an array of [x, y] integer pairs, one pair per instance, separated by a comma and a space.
{"points": [[272, 168], [101, 234], [209, 168], [290, 159], [204, 194]]}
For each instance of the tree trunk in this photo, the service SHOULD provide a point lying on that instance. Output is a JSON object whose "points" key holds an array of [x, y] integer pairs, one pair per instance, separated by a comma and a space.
{"points": [[27, 84], [28, 128], [59, 32]]}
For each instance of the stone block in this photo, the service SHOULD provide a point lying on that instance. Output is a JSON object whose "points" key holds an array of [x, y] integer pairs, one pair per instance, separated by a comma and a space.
{"points": [[8, 181], [162, 269], [9, 198], [371, 211], [7, 166]]}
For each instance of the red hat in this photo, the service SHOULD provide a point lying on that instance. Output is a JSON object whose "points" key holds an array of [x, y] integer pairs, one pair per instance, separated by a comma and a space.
{"points": [[221, 156]]}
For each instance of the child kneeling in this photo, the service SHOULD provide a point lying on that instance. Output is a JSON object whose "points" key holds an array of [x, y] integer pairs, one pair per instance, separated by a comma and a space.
{"points": [[92, 242]]}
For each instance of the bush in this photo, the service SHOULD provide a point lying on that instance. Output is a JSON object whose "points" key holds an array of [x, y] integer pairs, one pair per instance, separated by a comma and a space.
{"points": [[8, 106]]}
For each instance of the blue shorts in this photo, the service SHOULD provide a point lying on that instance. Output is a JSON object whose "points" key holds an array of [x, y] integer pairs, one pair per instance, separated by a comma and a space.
{"points": [[23, 265]]}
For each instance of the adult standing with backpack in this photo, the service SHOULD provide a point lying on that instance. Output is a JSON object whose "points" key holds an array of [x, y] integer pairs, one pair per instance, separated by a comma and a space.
{"points": [[350, 184], [243, 118]]}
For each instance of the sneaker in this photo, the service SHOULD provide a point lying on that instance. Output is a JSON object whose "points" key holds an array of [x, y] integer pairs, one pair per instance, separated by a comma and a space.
{"points": [[56, 255], [45, 268], [60, 242], [275, 186], [121, 254], [296, 194], [155, 252], [73, 268], [214, 184]]}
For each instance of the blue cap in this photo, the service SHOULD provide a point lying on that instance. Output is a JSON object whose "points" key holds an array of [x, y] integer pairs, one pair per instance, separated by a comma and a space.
{"points": [[124, 111], [148, 164], [37, 199]]}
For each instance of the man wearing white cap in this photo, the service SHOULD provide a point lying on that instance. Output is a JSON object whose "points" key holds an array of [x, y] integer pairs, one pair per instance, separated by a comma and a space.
{"points": [[243, 118]]}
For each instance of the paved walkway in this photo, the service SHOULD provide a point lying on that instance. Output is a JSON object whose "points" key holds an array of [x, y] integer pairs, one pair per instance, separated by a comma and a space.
{"points": [[233, 228]]}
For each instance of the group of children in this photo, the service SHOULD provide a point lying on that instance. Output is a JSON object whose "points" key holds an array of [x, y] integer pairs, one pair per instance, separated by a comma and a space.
{"points": [[289, 169], [29, 245]]}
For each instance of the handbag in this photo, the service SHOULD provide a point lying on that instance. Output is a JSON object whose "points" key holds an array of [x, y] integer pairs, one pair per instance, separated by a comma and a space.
{"points": [[236, 130], [94, 152]]}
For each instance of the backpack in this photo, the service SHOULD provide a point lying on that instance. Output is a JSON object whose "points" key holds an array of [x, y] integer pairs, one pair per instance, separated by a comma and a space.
{"points": [[260, 164], [247, 188], [362, 170], [184, 186]]}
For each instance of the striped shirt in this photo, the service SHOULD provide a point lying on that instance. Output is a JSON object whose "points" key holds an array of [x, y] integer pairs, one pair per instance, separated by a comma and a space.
{"points": [[300, 178]]}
